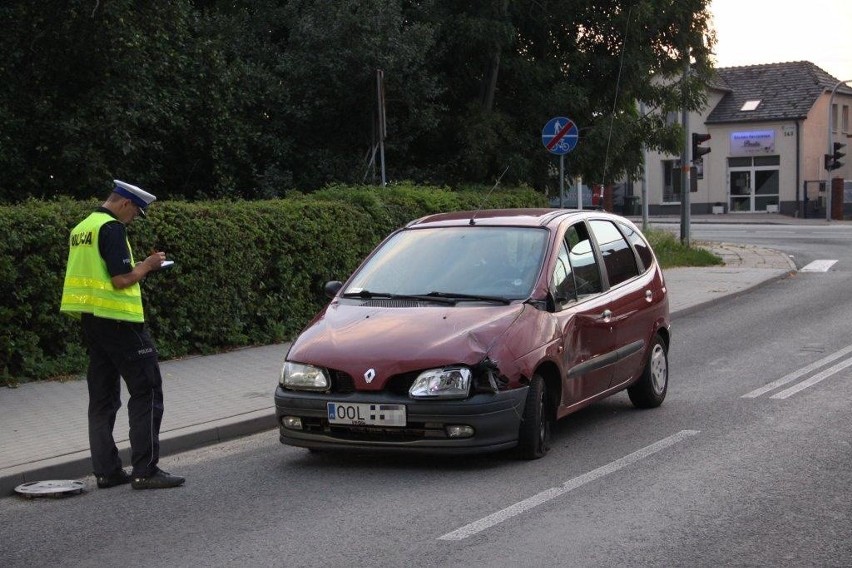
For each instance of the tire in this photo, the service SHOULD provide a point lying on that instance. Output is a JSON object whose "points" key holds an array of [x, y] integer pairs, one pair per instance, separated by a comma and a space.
{"points": [[534, 433], [650, 390]]}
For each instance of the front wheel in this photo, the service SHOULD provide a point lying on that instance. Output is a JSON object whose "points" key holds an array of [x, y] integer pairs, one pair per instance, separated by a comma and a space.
{"points": [[534, 434], [650, 390]]}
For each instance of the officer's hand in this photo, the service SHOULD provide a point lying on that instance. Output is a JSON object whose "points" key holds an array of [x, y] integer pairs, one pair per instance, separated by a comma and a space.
{"points": [[155, 260]]}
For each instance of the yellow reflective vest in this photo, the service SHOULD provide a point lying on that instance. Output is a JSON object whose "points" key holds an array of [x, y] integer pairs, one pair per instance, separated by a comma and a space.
{"points": [[88, 286]]}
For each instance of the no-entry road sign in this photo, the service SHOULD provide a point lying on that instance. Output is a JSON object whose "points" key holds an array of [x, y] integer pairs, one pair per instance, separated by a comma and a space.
{"points": [[559, 135]]}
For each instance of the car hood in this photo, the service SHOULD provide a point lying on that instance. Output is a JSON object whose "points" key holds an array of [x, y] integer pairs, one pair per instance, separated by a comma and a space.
{"points": [[394, 340]]}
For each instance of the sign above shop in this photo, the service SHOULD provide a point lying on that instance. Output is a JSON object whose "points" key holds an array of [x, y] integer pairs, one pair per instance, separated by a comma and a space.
{"points": [[753, 143]]}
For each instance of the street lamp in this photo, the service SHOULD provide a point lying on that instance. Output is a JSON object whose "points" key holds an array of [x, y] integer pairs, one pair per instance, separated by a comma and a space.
{"points": [[830, 148]]}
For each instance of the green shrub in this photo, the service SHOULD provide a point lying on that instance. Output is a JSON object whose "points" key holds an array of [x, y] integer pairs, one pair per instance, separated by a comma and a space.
{"points": [[246, 273], [671, 252]]}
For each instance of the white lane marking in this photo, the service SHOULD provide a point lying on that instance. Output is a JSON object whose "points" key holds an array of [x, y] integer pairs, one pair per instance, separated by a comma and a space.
{"points": [[796, 374], [554, 492], [818, 266], [813, 380]]}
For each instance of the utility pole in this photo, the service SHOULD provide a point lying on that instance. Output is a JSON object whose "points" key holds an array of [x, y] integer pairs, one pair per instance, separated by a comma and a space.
{"points": [[382, 126], [684, 161], [644, 202]]}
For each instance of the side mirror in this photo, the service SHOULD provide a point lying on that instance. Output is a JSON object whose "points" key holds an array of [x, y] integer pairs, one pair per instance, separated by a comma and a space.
{"points": [[332, 287]]}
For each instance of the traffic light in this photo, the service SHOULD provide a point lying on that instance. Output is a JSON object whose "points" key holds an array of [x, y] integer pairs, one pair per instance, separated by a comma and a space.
{"points": [[698, 151], [832, 161]]}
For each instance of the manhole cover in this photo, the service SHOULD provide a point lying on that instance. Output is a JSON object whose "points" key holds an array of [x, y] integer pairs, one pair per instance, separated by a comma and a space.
{"points": [[52, 488]]}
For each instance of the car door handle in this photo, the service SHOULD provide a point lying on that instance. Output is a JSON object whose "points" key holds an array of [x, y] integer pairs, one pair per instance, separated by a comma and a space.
{"points": [[649, 296], [606, 315]]}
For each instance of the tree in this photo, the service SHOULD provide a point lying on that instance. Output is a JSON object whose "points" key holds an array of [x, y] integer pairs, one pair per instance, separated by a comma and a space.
{"points": [[165, 95], [328, 54], [88, 94], [252, 98], [589, 59]]}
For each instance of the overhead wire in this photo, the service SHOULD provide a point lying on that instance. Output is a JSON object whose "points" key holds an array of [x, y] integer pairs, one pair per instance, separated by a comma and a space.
{"points": [[615, 98]]}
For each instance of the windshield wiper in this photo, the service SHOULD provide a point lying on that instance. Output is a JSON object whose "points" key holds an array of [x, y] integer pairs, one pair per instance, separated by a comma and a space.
{"points": [[474, 297], [368, 295]]}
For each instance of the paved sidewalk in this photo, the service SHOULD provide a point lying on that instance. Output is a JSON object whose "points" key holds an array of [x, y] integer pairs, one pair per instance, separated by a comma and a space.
{"points": [[746, 266], [43, 430]]}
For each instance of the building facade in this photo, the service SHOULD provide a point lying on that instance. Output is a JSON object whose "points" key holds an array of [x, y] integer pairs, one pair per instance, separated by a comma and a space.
{"points": [[768, 127]]}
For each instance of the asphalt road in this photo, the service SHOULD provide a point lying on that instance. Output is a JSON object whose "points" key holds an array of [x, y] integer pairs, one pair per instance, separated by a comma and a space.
{"points": [[728, 472], [803, 242]]}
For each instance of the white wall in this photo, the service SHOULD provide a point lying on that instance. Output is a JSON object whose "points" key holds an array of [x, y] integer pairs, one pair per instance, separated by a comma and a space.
{"points": [[812, 135]]}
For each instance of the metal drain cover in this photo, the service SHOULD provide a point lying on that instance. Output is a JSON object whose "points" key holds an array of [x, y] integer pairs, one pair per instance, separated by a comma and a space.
{"points": [[52, 488]]}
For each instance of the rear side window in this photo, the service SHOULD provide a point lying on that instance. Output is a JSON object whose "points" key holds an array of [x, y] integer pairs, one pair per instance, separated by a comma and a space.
{"points": [[618, 257], [640, 245]]}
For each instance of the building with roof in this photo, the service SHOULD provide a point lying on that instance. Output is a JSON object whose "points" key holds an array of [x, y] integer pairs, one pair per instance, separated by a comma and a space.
{"points": [[768, 127]]}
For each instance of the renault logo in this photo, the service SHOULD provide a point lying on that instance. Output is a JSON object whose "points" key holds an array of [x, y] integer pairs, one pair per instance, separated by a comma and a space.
{"points": [[370, 375]]}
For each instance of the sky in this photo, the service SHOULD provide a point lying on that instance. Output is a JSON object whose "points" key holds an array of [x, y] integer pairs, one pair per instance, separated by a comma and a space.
{"points": [[751, 32]]}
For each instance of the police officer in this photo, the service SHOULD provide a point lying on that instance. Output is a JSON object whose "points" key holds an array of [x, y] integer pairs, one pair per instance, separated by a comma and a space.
{"points": [[102, 290]]}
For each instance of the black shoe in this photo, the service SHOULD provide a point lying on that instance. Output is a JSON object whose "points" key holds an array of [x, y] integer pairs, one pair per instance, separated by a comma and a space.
{"points": [[158, 480], [120, 477]]}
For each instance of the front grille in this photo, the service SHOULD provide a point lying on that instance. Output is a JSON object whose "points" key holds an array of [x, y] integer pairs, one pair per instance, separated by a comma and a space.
{"points": [[414, 431], [341, 382], [399, 384]]}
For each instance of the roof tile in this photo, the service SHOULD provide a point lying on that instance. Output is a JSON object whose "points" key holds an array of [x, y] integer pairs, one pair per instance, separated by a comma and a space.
{"points": [[786, 91]]}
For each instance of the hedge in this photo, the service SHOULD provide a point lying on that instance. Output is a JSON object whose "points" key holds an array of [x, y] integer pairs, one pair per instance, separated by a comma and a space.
{"points": [[246, 272]]}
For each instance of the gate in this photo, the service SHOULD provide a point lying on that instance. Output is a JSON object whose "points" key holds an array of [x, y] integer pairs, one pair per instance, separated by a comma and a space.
{"points": [[812, 205]]}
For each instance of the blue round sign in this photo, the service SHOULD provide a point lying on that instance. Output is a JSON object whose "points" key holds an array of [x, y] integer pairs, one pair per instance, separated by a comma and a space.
{"points": [[559, 135]]}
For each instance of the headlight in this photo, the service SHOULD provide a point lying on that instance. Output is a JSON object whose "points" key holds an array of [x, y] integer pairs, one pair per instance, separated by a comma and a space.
{"points": [[450, 382], [297, 376]]}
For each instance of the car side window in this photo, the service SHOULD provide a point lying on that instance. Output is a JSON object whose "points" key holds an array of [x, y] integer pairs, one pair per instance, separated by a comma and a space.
{"points": [[618, 257], [584, 265], [563, 286], [640, 245]]}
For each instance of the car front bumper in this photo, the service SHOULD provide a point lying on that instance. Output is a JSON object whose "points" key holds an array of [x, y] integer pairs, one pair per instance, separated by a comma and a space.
{"points": [[495, 419]]}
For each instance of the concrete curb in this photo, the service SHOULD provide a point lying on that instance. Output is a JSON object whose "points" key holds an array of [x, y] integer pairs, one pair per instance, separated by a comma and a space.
{"points": [[78, 464], [682, 312]]}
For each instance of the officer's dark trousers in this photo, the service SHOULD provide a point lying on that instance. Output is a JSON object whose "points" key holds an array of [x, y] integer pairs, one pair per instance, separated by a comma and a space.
{"points": [[123, 349]]}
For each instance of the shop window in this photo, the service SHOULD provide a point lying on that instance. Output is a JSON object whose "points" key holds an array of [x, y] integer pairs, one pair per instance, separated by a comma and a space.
{"points": [[671, 180], [767, 160]]}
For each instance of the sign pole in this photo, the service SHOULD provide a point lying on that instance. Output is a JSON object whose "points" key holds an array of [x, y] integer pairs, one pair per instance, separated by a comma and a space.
{"points": [[562, 181], [578, 183]]}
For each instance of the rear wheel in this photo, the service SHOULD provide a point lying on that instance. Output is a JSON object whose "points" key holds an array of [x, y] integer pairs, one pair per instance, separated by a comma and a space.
{"points": [[534, 434], [650, 390]]}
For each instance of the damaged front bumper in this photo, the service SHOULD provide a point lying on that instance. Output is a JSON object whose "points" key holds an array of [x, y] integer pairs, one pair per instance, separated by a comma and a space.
{"points": [[493, 417]]}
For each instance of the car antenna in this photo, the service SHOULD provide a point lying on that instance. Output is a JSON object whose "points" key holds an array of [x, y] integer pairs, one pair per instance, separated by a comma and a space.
{"points": [[487, 195]]}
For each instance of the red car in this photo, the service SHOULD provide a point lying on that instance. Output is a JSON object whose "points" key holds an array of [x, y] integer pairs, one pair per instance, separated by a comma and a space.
{"points": [[473, 331]]}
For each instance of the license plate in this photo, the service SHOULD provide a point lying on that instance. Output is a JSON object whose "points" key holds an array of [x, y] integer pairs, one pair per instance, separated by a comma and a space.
{"points": [[359, 414]]}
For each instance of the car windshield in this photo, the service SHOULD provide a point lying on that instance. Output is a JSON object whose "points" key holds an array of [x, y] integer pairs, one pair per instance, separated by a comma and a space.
{"points": [[475, 261]]}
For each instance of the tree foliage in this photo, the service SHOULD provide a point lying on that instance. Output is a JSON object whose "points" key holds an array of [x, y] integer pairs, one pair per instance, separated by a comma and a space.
{"points": [[253, 98]]}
